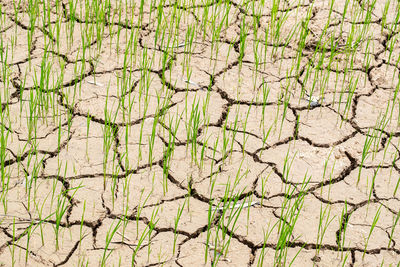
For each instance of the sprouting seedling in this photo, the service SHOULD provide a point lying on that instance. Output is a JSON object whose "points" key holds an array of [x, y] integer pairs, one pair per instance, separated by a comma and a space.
{"points": [[263, 187], [143, 235], [62, 205], [372, 185], [324, 221], [82, 220], [373, 225], [140, 207], [177, 218], [152, 224], [345, 258], [289, 215], [396, 221], [365, 152], [210, 217], [343, 223], [266, 237], [110, 234]]}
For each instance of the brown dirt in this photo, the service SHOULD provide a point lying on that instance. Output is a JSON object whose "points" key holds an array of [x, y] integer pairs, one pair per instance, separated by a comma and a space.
{"points": [[67, 164]]}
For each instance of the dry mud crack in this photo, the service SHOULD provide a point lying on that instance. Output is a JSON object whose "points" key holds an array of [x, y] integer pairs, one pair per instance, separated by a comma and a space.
{"points": [[199, 133]]}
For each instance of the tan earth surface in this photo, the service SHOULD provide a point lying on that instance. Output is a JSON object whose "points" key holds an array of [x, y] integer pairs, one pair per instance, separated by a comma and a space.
{"points": [[199, 133]]}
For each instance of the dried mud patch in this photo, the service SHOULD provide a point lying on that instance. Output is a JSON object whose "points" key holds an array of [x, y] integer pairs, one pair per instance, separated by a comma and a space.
{"points": [[235, 133]]}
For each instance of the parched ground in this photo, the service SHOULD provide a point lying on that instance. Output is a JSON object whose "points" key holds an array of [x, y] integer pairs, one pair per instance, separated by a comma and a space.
{"points": [[199, 133]]}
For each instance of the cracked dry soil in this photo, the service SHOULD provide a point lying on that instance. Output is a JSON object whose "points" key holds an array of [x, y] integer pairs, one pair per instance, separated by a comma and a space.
{"points": [[109, 133]]}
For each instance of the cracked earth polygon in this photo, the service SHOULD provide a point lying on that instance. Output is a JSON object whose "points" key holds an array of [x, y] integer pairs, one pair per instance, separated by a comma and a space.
{"points": [[199, 133]]}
